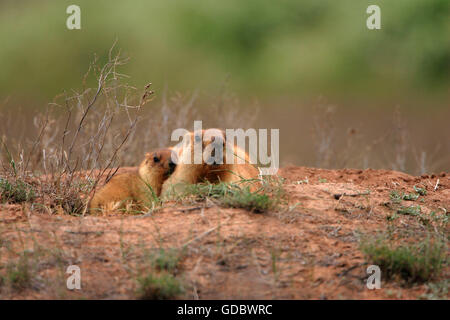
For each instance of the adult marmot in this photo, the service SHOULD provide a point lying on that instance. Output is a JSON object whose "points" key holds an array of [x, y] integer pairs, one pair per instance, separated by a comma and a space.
{"points": [[210, 163], [139, 187]]}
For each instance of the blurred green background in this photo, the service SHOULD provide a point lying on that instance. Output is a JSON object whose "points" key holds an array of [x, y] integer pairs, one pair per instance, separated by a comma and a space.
{"points": [[267, 49]]}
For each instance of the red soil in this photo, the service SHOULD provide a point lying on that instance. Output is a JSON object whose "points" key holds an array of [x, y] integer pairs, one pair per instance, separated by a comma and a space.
{"points": [[308, 251]]}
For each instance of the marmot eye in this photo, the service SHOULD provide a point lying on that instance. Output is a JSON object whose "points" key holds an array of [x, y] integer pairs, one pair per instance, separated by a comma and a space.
{"points": [[155, 159]]}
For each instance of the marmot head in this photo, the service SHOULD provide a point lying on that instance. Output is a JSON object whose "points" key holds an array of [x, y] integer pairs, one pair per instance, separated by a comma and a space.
{"points": [[205, 148], [157, 164]]}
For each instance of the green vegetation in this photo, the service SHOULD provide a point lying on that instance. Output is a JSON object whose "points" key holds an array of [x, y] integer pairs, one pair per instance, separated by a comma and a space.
{"points": [[410, 196], [248, 200], [397, 196], [15, 191], [165, 259], [17, 274], [274, 48], [421, 191], [410, 262], [157, 281], [158, 287], [411, 211], [235, 195]]}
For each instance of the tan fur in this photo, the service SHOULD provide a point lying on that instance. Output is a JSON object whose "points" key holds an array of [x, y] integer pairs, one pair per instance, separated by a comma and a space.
{"points": [[133, 188], [226, 172]]}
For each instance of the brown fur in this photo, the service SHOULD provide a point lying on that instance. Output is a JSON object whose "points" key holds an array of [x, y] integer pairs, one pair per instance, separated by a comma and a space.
{"points": [[226, 172], [133, 188]]}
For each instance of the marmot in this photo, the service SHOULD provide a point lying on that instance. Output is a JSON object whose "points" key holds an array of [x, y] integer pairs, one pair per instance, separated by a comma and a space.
{"points": [[139, 187], [214, 169]]}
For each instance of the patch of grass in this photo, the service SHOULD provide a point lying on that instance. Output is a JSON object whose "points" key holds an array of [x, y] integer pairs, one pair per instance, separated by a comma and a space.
{"points": [[158, 287], [70, 202], [60, 195], [410, 211], [156, 277], [269, 196], [410, 196], [202, 191], [152, 199], [440, 219], [18, 274], [231, 195], [410, 262], [165, 259], [16, 191], [251, 201], [392, 217], [397, 197]]}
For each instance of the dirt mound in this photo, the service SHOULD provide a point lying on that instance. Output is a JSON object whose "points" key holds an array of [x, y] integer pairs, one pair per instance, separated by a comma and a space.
{"points": [[308, 250]]}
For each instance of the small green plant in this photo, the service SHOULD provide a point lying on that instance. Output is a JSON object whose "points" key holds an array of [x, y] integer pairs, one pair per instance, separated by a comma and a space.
{"points": [[411, 262], [441, 218], [165, 259], [421, 191], [410, 211], [410, 196], [248, 200], [392, 217], [202, 191], [397, 197], [18, 274], [158, 287], [152, 197], [235, 196], [16, 191]]}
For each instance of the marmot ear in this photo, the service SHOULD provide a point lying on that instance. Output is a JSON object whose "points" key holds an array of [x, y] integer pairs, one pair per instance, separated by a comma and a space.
{"points": [[147, 155]]}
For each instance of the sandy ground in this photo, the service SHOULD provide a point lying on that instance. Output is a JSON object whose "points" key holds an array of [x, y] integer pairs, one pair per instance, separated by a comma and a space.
{"points": [[309, 250]]}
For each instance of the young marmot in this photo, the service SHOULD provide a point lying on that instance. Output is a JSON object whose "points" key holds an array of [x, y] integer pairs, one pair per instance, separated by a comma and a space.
{"points": [[216, 168], [139, 187]]}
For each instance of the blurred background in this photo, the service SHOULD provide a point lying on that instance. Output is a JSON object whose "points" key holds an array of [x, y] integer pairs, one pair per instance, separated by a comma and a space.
{"points": [[342, 95]]}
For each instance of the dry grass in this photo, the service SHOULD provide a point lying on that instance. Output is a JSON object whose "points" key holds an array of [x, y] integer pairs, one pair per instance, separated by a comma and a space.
{"points": [[393, 149], [87, 134]]}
